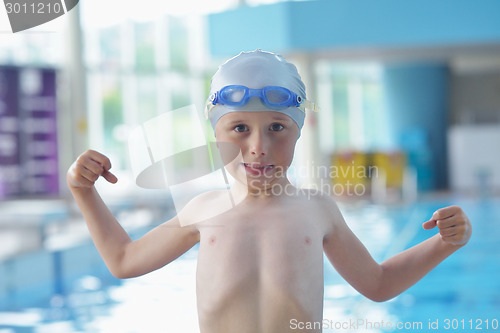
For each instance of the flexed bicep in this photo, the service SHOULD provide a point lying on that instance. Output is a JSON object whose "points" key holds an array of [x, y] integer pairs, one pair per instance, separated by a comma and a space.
{"points": [[158, 247], [350, 257]]}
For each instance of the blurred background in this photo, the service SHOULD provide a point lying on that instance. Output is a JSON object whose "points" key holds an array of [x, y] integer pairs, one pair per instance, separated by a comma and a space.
{"points": [[409, 122]]}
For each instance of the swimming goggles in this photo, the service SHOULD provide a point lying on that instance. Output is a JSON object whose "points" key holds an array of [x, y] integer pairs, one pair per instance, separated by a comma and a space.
{"points": [[274, 97]]}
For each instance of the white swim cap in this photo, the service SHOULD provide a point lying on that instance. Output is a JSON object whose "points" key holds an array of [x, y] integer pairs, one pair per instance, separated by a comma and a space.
{"points": [[256, 70]]}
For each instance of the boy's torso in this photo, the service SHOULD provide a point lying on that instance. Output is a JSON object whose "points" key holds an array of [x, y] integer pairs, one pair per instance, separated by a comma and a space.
{"points": [[260, 265]]}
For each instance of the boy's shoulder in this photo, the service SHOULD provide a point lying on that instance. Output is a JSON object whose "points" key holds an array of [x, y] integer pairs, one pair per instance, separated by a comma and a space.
{"points": [[321, 206], [205, 206], [323, 201]]}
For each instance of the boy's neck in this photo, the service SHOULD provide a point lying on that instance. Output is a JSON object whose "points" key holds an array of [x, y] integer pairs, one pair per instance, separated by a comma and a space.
{"points": [[277, 188]]}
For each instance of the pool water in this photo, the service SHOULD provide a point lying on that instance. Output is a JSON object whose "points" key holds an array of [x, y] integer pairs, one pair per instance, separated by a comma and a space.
{"points": [[460, 295]]}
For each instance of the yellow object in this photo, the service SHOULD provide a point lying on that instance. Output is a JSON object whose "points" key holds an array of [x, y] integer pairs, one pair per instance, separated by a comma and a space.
{"points": [[393, 164], [349, 169], [82, 125]]}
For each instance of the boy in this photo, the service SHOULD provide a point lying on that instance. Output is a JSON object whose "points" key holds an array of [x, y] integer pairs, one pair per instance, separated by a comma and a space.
{"points": [[260, 264]]}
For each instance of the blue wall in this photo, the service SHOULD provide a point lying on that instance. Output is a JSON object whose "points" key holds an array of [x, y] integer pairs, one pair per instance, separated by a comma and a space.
{"points": [[338, 24], [416, 97]]}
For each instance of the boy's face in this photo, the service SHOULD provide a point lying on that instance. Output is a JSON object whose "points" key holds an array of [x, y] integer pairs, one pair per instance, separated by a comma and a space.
{"points": [[266, 140]]}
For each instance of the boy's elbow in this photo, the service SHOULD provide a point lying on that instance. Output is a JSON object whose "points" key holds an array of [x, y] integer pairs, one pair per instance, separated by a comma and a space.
{"points": [[125, 273], [120, 266], [120, 274], [380, 291], [379, 298], [120, 270]]}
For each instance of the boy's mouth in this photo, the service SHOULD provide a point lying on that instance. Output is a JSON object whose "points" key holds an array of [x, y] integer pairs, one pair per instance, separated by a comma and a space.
{"points": [[257, 169]]}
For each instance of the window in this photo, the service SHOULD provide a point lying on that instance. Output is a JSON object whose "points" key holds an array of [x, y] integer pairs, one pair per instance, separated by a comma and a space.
{"points": [[351, 100], [138, 70]]}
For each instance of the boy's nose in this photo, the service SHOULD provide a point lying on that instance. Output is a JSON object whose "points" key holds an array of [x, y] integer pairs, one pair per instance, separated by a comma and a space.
{"points": [[256, 152], [258, 145]]}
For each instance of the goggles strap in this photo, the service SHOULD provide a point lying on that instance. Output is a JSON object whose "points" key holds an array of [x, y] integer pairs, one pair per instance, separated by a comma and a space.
{"points": [[307, 105]]}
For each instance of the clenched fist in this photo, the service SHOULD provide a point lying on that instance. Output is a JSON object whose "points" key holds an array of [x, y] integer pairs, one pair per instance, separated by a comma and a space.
{"points": [[87, 168], [454, 226]]}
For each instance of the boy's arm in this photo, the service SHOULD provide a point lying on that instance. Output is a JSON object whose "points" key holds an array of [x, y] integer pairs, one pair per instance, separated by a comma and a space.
{"points": [[381, 282], [123, 257]]}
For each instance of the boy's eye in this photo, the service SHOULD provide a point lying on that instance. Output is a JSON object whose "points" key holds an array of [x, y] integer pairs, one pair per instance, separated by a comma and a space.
{"points": [[241, 128], [276, 127]]}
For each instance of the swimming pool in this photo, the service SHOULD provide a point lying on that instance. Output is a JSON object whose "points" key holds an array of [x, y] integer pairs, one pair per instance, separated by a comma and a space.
{"points": [[460, 295]]}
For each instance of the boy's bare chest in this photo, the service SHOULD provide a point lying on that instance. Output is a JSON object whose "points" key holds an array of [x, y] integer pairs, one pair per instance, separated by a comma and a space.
{"points": [[279, 241], [264, 254]]}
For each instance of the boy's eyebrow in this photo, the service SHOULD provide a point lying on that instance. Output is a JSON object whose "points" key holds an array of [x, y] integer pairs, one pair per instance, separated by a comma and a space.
{"points": [[233, 122], [282, 118], [277, 117]]}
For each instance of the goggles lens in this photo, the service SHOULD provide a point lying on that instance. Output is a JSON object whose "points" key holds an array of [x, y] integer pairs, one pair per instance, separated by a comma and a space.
{"points": [[278, 97], [233, 95]]}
